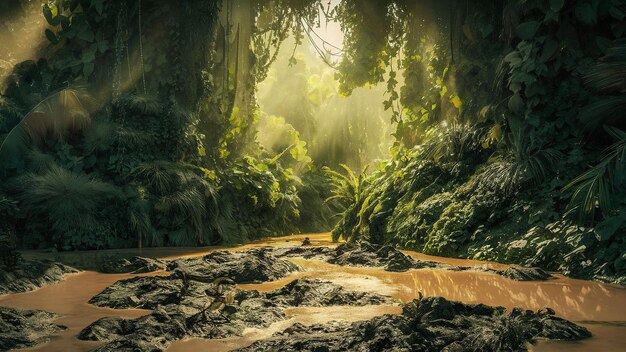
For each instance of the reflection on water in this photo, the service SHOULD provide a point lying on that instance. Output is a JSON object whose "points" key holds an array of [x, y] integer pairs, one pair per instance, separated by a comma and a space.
{"points": [[606, 338], [572, 299]]}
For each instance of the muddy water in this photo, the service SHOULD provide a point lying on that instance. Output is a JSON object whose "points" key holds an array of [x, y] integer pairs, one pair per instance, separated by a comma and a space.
{"points": [[69, 299], [601, 308], [303, 315]]}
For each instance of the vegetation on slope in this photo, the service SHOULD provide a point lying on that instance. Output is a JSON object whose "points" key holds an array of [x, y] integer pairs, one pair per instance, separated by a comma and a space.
{"points": [[497, 164], [137, 124]]}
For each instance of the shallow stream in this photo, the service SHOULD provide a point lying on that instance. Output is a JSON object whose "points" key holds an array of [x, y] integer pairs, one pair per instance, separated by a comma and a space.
{"points": [[599, 307]]}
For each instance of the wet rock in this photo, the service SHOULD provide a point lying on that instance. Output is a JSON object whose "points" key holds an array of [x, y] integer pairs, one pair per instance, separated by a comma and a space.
{"points": [[189, 308], [367, 254], [321, 253], [32, 274], [525, 274], [316, 293], [141, 292], [24, 328], [151, 332], [185, 309], [134, 265], [431, 324], [391, 259], [250, 266]]}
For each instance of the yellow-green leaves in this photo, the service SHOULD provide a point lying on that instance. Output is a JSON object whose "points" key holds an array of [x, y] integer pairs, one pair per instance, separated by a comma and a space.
{"points": [[493, 136], [456, 101]]}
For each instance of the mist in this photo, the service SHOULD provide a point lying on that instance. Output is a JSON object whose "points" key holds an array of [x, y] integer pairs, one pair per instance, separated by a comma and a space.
{"points": [[301, 89]]}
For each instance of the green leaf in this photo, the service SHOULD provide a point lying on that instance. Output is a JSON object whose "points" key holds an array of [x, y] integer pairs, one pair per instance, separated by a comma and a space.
{"points": [[88, 69], [549, 49], [516, 103], [527, 30], [556, 5], [52, 37], [86, 35], [513, 58], [99, 4], [617, 13], [585, 13], [50, 12], [607, 228], [89, 55], [65, 22]]}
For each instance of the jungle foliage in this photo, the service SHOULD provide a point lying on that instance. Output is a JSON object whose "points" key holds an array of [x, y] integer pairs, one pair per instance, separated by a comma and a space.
{"points": [[133, 126], [521, 164], [136, 123]]}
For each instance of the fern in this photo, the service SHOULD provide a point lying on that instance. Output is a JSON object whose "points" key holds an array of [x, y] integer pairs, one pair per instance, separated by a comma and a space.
{"points": [[68, 201], [521, 163], [453, 142], [184, 207], [159, 175], [608, 77], [346, 188], [181, 199]]}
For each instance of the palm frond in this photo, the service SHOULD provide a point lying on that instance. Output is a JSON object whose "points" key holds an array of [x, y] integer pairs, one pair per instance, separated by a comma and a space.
{"points": [[609, 74], [62, 193], [521, 163], [595, 186], [605, 110], [62, 112], [186, 207], [452, 142], [159, 175]]}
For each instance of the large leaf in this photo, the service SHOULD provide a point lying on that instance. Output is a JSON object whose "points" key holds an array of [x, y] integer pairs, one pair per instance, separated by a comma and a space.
{"points": [[586, 13], [516, 103], [609, 226], [527, 30]]}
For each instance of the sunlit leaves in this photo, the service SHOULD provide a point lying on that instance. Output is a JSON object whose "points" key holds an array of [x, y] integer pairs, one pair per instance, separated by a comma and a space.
{"points": [[51, 13], [493, 136], [456, 101]]}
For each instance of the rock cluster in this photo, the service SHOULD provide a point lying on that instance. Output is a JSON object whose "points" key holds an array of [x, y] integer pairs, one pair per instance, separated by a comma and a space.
{"points": [[134, 265], [430, 324], [32, 274], [391, 259], [189, 308], [24, 328], [254, 265]]}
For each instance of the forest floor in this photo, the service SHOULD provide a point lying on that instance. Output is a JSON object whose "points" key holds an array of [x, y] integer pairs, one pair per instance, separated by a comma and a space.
{"points": [[282, 295]]}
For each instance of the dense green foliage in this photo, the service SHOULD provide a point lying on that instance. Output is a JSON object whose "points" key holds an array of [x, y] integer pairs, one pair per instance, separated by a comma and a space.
{"points": [[126, 133], [137, 123], [490, 164]]}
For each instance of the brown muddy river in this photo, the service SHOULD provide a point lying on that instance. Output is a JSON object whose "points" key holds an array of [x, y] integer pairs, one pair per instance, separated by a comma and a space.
{"points": [[599, 307]]}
